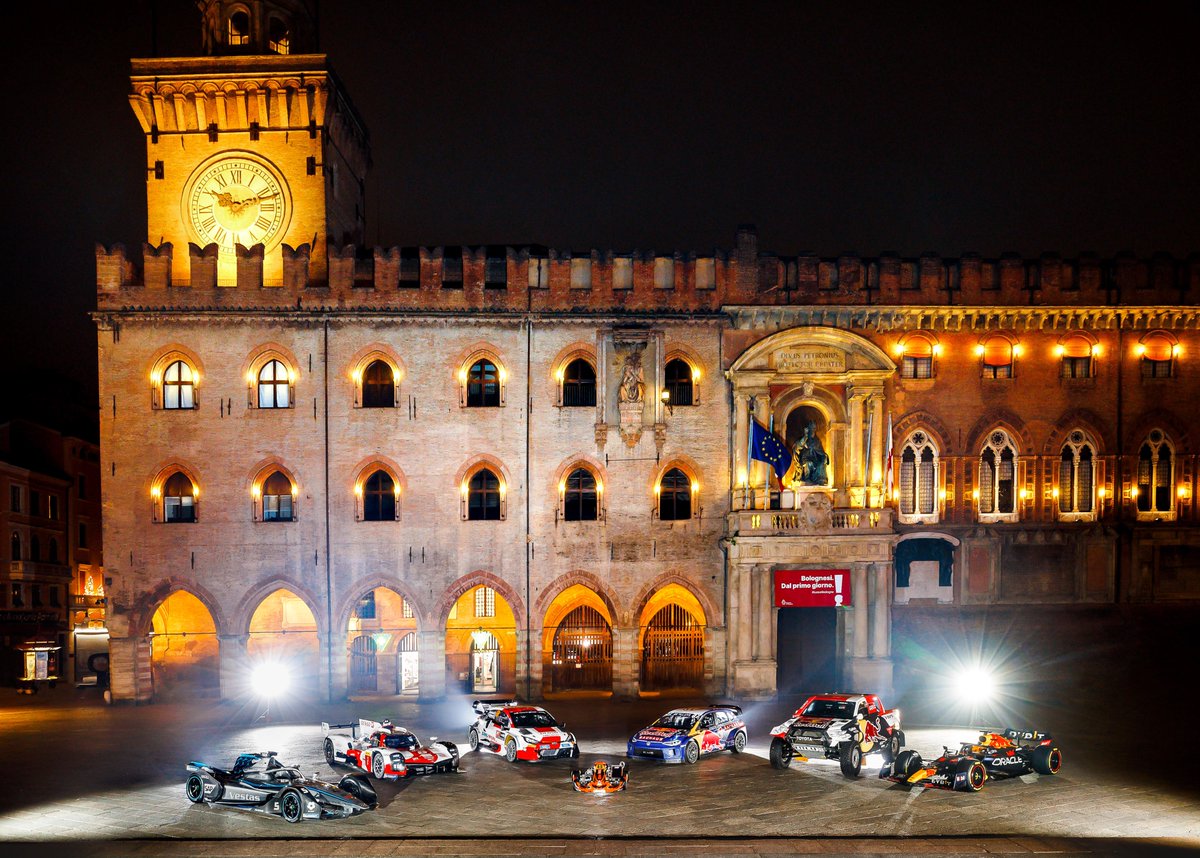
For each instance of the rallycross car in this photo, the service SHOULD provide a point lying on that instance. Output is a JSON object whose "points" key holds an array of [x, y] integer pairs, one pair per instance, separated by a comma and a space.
{"points": [[842, 727], [1007, 754], [519, 732], [601, 778], [261, 783], [683, 735], [387, 751]]}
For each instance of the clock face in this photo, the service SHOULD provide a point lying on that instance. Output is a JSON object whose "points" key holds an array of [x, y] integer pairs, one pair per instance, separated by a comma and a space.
{"points": [[237, 199]]}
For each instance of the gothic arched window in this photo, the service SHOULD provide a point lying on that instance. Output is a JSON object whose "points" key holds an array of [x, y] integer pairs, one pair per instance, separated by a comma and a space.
{"points": [[675, 496], [1155, 474], [379, 497], [580, 496], [379, 386], [1077, 475], [579, 384], [274, 385], [678, 377], [918, 477], [483, 496], [178, 386], [998, 476]]}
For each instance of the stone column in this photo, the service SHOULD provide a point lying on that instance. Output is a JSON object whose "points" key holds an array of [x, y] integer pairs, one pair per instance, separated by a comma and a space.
{"points": [[431, 668], [854, 465], [862, 603], [335, 685], [625, 663], [745, 614], [741, 437], [762, 613], [233, 665], [875, 466], [881, 631], [129, 669]]}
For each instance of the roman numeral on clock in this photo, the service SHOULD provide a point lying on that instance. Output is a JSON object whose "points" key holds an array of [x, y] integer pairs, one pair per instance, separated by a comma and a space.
{"points": [[262, 223]]}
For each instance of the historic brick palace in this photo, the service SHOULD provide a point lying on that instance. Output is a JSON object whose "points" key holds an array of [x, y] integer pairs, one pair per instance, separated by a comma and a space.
{"points": [[525, 470]]}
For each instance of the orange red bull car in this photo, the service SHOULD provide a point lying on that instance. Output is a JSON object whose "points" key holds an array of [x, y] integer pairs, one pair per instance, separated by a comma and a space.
{"points": [[600, 779], [1009, 753]]}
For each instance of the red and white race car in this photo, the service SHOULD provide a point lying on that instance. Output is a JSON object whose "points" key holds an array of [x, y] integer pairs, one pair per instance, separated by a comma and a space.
{"points": [[387, 751], [842, 727], [519, 732]]}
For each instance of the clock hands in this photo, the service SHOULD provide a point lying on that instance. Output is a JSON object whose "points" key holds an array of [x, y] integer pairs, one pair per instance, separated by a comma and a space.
{"points": [[226, 201]]}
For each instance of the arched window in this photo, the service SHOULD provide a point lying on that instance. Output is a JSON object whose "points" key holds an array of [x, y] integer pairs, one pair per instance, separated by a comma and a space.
{"points": [[365, 609], [379, 497], [916, 357], [483, 496], [1076, 353], [277, 498], [918, 477], [15, 546], [179, 499], [579, 384], [998, 476], [485, 602], [997, 354], [1157, 352], [279, 37], [483, 385], [239, 29], [178, 386], [678, 379], [379, 386], [1155, 474], [1077, 475], [675, 496], [580, 496], [274, 385]]}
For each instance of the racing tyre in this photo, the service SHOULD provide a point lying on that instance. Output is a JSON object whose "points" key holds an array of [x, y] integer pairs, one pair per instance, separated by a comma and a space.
{"points": [[1047, 760], [575, 752], [906, 765], [291, 806], [473, 739], [377, 766], [510, 750], [329, 755], [194, 789], [359, 787], [892, 749], [691, 753], [976, 776], [739, 742], [781, 756], [850, 757]]}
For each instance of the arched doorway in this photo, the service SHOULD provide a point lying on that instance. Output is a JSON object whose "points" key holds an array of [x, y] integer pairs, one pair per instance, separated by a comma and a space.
{"points": [[283, 632], [481, 643], [672, 642], [577, 642], [184, 650], [381, 619]]}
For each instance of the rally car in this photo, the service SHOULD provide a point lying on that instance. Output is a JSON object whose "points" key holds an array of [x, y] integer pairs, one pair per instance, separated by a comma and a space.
{"points": [[842, 727], [996, 754], [259, 782], [519, 732], [387, 751], [683, 735]]}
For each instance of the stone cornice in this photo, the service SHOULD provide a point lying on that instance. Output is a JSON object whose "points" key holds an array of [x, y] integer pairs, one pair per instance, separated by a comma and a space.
{"points": [[962, 318], [105, 317]]}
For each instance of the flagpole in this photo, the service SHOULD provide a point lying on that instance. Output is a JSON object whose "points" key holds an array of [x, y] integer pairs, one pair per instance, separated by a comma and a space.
{"points": [[767, 478], [749, 444], [867, 463]]}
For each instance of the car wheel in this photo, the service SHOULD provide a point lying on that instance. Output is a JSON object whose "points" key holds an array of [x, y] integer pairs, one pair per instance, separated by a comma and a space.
{"points": [[291, 806], [360, 788], [329, 755], [906, 765], [510, 750], [893, 747], [692, 752], [473, 739], [575, 751], [1047, 760], [781, 755], [377, 765], [739, 742], [194, 789], [850, 757], [976, 777]]}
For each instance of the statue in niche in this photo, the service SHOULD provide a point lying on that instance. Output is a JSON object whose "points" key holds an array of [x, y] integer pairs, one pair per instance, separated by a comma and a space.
{"points": [[633, 385], [812, 461]]}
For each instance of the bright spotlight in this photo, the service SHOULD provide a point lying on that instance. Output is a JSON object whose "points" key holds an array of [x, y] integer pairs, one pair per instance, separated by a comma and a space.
{"points": [[270, 679], [975, 685]]}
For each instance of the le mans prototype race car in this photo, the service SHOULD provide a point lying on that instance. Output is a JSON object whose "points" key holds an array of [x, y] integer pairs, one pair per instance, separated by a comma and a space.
{"points": [[519, 732], [261, 783], [842, 727], [387, 751], [682, 735], [1007, 754], [600, 779]]}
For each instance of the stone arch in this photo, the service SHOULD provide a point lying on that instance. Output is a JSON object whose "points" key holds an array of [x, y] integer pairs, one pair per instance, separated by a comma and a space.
{"points": [[712, 611], [1159, 418], [244, 612], [165, 355], [1000, 418], [925, 421], [185, 642], [862, 355], [356, 590], [585, 579], [145, 605], [1079, 418], [479, 578], [264, 352]]}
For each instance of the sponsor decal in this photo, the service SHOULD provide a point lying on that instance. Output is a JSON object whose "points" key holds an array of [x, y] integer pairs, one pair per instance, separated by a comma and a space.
{"points": [[239, 795], [1006, 761]]}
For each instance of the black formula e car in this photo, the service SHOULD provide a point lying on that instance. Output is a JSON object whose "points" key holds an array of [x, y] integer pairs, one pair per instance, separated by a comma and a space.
{"points": [[996, 754], [260, 782]]}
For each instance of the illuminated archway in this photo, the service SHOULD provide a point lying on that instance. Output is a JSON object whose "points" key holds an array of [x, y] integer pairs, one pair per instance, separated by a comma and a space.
{"points": [[184, 650], [577, 642], [379, 662], [481, 643], [671, 641], [283, 631]]}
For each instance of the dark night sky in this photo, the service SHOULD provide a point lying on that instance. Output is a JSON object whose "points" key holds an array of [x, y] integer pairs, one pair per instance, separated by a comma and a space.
{"points": [[842, 127]]}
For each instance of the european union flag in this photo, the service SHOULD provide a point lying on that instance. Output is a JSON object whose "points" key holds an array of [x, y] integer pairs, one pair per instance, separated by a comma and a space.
{"points": [[765, 447]]}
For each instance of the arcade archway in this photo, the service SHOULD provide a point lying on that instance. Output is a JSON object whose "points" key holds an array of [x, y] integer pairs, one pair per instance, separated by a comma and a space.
{"points": [[283, 632], [481, 643], [184, 650], [671, 641], [577, 643], [381, 640]]}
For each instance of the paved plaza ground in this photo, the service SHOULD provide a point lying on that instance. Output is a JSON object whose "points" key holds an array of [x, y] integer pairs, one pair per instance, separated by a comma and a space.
{"points": [[109, 781]]}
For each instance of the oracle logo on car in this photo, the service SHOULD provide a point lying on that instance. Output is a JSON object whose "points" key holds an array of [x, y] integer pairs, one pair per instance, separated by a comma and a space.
{"points": [[812, 588]]}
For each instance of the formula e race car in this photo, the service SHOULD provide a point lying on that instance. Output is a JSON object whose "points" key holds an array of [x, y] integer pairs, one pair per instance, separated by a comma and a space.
{"points": [[519, 732], [682, 735], [1006, 754], [260, 782], [601, 778], [842, 727], [387, 751]]}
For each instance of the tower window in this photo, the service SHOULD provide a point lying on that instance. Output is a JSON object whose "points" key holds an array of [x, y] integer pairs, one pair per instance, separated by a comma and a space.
{"points": [[483, 496], [239, 29], [678, 379], [379, 386], [579, 496], [675, 496], [379, 497], [179, 499], [579, 385], [279, 37]]}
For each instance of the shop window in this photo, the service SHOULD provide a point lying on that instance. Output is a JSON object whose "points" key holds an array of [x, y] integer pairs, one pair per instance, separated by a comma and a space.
{"points": [[1155, 476], [998, 478], [675, 496], [578, 385]]}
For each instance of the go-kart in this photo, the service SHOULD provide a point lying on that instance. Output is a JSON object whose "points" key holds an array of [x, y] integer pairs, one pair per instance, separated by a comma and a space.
{"points": [[601, 778]]}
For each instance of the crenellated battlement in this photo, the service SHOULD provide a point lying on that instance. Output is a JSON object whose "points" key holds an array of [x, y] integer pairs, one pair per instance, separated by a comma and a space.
{"points": [[531, 278]]}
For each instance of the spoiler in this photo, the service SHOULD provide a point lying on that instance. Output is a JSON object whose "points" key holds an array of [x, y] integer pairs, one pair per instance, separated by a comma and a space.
{"points": [[736, 709], [486, 707], [1019, 736]]}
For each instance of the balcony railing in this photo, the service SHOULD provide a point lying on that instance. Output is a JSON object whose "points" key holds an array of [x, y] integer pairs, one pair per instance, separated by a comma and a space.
{"points": [[840, 522], [32, 569]]}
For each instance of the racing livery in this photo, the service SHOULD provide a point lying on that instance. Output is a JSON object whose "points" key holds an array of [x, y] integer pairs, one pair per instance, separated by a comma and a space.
{"points": [[259, 782], [600, 779], [519, 732], [842, 727], [387, 751], [996, 754], [684, 735]]}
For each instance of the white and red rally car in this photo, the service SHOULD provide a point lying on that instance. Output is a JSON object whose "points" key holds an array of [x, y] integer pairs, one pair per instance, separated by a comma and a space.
{"points": [[842, 727], [387, 751], [519, 732]]}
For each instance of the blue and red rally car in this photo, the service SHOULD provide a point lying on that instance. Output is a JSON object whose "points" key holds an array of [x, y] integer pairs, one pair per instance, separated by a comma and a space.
{"points": [[683, 735]]}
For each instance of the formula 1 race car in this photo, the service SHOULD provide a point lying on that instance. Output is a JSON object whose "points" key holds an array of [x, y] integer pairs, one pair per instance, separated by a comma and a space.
{"points": [[600, 779], [519, 732], [261, 783], [387, 751], [842, 727], [1007, 754], [682, 735]]}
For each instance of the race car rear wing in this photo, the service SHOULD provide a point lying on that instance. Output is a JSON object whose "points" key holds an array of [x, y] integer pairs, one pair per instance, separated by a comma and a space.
{"points": [[737, 710], [358, 728], [484, 708], [1026, 737]]}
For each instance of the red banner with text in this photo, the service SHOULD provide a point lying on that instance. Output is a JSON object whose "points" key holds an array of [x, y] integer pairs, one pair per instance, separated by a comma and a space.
{"points": [[812, 588]]}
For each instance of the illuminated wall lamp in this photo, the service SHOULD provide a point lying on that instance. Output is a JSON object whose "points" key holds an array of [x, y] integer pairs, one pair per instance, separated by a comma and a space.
{"points": [[1139, 349], [1102, 492], [1176, 350], [937, 350], [1054, 493], [1096, 349], [979, 350], [898, 349], [941, 494], [1183, 493], [1059, 351], [1017, 351]]}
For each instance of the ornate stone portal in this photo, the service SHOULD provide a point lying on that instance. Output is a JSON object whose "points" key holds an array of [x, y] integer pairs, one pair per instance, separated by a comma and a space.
{"points": [[631, 394]]}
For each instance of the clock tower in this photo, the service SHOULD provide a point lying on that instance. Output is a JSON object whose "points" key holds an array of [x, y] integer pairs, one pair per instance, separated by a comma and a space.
{"points": [[253, 144]]}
